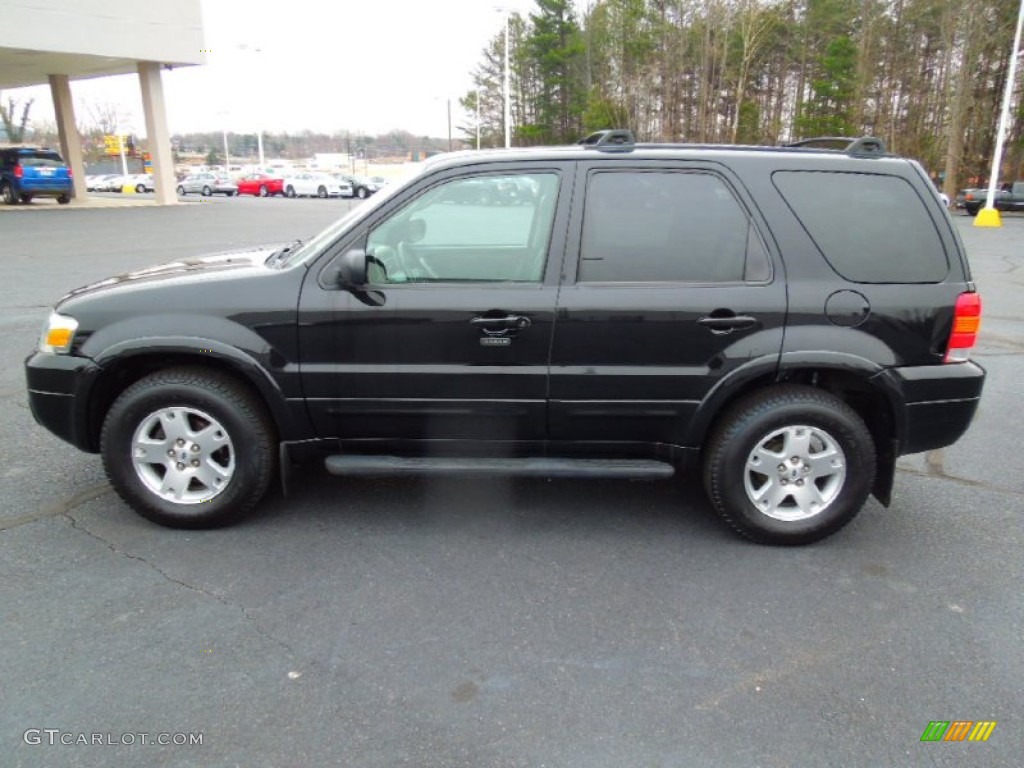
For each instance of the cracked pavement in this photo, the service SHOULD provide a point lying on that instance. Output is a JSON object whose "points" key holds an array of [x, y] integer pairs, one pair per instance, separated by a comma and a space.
{"points": [[513, 623]]}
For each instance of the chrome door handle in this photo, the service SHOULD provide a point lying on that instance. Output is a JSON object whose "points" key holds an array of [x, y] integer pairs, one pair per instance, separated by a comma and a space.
{"points": [[497, 325]]}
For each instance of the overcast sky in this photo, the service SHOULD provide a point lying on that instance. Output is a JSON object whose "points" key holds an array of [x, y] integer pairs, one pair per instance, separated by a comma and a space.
{"points": [[326, 65]]}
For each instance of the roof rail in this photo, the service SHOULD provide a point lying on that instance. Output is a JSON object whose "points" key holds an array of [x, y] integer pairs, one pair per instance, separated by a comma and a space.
{"points": [[610, 140], [865, 146]]}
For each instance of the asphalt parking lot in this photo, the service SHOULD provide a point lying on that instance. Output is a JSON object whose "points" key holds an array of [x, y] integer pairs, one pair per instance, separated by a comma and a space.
{"points": [[515, 623]]}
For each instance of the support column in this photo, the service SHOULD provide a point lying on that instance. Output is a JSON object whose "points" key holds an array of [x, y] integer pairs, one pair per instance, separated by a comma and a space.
{"points": [[70, 141], [157, 133]]}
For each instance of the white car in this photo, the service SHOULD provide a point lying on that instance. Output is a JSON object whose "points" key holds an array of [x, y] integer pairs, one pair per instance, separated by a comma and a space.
{"points": [[93, 182], [314, 184], [109, 183], [142, 182]]}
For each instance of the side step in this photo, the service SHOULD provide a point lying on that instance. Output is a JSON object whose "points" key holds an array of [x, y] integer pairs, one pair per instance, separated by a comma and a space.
{"points": [[536, 467]]}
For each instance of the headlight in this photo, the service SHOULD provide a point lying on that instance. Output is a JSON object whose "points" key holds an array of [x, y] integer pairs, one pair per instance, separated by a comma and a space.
{"points": [[58, 333]]}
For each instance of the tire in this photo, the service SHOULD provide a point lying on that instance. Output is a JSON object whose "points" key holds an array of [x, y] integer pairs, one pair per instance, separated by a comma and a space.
{"points": [[181, 191], [321, 192], [803, 437], [362, 194], [227, 470], [64, 199], [207, 192], [8, 194], [290, 192], [264, 192], [972, 210], [140, 188]]}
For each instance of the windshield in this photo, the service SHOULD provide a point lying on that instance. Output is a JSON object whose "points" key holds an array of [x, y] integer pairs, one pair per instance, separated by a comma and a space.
{"points": [[317, 244]]}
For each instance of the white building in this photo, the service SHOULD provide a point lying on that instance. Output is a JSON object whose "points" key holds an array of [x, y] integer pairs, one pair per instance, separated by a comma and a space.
{"points": [[57, 41]]}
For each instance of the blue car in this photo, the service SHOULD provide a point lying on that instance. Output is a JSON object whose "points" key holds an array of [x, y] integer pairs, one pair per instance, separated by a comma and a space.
{"points": [[27, 172]]}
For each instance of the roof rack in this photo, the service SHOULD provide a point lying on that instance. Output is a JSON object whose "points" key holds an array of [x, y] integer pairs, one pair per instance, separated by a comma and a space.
{"points": [[865, 146], [610, 140]]}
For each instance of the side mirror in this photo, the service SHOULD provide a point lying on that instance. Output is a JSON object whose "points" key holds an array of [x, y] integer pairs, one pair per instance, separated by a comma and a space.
{"points": [[352, 268]]}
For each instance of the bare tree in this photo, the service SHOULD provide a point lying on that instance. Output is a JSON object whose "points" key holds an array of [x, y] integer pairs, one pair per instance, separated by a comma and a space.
{"points": [[15, 128]]}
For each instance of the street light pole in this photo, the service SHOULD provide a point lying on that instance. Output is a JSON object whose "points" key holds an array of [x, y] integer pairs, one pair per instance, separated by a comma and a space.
{"points": [[226, 169], [449, 124], [989, 216]]}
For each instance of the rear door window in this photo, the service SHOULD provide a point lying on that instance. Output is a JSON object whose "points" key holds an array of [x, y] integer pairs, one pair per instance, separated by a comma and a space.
{"points": [[871, 228], [666, 226]]}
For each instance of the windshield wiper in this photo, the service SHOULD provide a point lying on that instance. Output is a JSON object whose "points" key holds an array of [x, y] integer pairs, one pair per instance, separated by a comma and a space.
{"points": [[278, 256]]}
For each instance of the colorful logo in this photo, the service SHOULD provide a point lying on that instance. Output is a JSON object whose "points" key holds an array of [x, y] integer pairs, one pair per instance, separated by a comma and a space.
{"points": [[958, 730]]}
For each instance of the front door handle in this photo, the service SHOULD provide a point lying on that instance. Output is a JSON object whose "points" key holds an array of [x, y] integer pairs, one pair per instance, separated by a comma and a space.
{"points": [[497, 326], [722, 324]]}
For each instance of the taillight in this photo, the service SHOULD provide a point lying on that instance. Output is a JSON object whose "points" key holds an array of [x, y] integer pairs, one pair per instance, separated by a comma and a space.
{"points": [[966, 321], [19, 172], [968, 196]]}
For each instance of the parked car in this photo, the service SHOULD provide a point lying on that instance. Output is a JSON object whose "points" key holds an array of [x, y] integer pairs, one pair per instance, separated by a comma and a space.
{"points": [[313, 184], [361, 187], [652, 310], [484, 191], [1009, 197], [28, 172], [140, 182], [970, 195], [98, 182], [206, 184], [261, 185]]}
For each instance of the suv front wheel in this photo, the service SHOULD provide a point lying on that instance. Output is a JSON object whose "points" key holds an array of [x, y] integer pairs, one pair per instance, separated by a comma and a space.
{"points": [[188, 448], [789, 466]]}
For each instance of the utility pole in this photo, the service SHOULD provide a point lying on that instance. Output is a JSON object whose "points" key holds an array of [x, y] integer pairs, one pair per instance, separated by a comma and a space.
{"points": [[508, 96]]}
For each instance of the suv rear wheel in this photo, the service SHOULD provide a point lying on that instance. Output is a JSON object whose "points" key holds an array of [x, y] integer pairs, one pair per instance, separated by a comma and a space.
{"points": [[789, 466], [9, 195], [188, 448]]}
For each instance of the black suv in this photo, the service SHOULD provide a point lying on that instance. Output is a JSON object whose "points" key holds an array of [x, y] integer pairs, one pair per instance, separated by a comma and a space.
{"points": [[786, 321]]}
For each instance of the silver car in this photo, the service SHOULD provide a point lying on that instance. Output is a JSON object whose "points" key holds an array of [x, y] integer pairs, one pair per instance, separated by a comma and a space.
{"points": [[207, 184]]}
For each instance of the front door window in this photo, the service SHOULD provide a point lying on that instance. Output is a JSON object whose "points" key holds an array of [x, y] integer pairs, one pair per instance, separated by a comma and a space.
{"points": [[479, 229]]}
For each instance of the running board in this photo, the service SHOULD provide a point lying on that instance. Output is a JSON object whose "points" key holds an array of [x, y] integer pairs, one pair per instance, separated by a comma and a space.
{"points": [[398, 466]]}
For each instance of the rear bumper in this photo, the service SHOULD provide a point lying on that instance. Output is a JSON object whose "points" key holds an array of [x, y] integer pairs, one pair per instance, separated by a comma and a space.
{"points": [[935, 403], [58, 389], [45, 188]]}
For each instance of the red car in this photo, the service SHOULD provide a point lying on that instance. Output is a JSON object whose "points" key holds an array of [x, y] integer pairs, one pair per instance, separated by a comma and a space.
{"points": [[261, 184]]}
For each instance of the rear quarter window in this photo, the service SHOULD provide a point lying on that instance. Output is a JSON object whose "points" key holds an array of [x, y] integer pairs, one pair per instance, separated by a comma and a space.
{"points": [[871, 228]]}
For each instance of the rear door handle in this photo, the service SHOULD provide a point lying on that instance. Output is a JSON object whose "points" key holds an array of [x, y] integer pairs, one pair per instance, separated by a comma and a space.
{"points": [[727, 323], [494, 326]]}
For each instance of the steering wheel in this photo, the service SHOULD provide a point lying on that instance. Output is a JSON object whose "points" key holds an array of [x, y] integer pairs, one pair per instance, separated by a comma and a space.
{"points": [[413, 265]]}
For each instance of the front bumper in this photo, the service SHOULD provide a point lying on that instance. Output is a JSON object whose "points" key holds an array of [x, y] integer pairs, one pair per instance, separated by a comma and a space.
{"points": [[939, 403], [58, 394]]}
